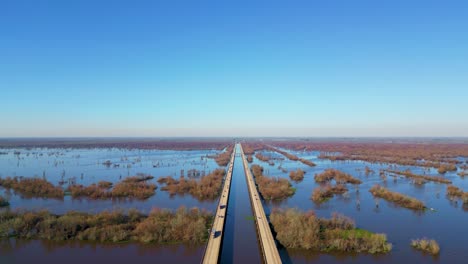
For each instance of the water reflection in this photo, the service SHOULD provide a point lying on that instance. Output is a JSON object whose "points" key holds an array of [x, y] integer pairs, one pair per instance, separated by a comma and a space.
{"points": [[445, 224], [30, 251], [85, 166]]}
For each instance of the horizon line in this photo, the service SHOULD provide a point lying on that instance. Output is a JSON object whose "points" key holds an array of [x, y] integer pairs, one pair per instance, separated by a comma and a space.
{"points": [[155, 137]]}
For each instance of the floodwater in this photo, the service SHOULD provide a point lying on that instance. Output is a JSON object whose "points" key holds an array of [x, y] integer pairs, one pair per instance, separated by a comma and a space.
{"points": [[240, 238], [447, 225], [85, 166], [16, 252]]}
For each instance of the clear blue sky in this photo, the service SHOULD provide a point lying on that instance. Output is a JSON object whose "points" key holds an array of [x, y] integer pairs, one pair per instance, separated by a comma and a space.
{"points": [[212, 68]]}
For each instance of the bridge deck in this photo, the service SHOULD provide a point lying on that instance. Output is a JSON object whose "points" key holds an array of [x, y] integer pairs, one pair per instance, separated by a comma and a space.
{"points": [[269, 250], [216, 235]]}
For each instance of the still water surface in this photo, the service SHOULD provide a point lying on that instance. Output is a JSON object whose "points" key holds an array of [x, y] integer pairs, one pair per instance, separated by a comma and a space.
{"points": [[447, 225], [240, 237], [85, 166]]}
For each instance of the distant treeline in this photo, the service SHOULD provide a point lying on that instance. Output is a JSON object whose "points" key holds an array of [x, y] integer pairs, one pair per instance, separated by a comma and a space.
{"points": [[442, 156], [251, 147], [142, 143]]}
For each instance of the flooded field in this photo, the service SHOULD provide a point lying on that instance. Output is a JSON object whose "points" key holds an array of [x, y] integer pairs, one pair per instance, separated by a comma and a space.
{"points": [[75, 252], [444, 218], [446, 223], [120, 123], [88, 166], [63, 167]]}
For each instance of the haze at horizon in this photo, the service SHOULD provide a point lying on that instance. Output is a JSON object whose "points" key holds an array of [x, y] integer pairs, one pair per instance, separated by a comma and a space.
{"points": [[233, 69]]}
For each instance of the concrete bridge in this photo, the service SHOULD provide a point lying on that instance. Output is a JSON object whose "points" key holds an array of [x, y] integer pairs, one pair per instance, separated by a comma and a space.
{"points": [[216, 233], [265, 238]]}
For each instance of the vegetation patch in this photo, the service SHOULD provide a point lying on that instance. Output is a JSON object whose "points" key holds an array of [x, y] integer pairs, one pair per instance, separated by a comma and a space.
{"points": [[32, 187], [159, 227], [307, 162], [324, 193], [442, 156], [337, 175], [453, 191], [131, 187], [264, 158], [420, 178], [436, 155], [272, 188], [297, 175], [206, 188], [250, 148], [293, 157], [224, 158], [445, 167], [304, 230], [368, 171], [397, 198], [426, 245], [94, 191]]}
